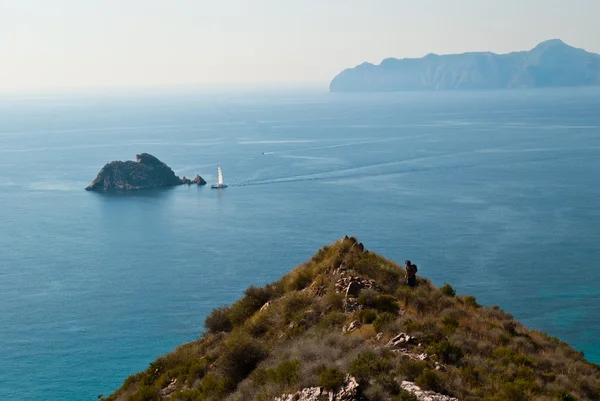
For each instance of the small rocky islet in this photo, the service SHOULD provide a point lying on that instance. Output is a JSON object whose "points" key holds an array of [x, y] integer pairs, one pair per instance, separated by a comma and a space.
{"points": [[146, 172]]}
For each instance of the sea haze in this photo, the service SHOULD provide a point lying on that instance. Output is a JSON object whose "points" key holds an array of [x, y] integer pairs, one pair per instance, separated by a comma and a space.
{"points": [[494, 192]]}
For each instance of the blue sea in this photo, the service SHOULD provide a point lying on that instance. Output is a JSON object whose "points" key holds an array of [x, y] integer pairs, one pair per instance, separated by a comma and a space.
{"points": [[495, 192]]}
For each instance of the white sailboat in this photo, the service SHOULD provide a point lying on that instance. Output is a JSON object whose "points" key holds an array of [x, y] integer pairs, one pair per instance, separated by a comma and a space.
{"points": [[219, 183]]}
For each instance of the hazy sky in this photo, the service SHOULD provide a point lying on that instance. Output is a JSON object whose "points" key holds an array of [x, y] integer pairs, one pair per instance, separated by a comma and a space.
{"points": [[84, 43]]}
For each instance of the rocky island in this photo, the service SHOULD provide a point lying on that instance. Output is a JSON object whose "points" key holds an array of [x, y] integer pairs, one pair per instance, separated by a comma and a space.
{"points": [[552, 63], [144, 173], [344, 327]]}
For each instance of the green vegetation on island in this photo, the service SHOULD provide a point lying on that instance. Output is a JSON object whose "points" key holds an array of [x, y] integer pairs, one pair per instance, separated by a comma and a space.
{"points": [[345, 324], [146, 172]]}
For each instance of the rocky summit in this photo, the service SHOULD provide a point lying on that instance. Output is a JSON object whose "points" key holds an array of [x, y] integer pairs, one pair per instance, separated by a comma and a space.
{"points": [[145, 172], [344, 327]]}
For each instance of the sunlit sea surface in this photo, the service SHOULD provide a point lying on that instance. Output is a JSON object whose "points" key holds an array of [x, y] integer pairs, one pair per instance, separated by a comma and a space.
{"points": [[495, 192]]}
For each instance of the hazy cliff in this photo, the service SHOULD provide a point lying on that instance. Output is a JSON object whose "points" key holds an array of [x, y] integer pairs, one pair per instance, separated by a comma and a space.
{"points": [[343, 326], [550, 64]]}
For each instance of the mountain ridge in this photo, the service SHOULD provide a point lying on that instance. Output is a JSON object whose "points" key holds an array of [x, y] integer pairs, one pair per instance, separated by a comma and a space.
{"points": [[551, 63], [344, 327]]}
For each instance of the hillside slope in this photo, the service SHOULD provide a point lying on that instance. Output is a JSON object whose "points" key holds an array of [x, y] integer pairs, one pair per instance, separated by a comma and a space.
{"points": [[343, 326], [550, 64]]}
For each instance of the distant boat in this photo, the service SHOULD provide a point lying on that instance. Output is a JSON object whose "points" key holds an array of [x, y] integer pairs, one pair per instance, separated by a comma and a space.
{"points": [[219, 183]]}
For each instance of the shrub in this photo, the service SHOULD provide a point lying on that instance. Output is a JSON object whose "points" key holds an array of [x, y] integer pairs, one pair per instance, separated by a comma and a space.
{"points": [[450, 322], [513, 391], [412, 369], [331, 379], [406, 396], [145, 393], [389, 383], [429, 380], [336, 301], [367, 316], [366, 366], [295, 302], [386, 303], [367, 297], [567, 397], [299, 279], [214, 386], [412, 327], [259, 324], [472, 302], [287, 372], [218, 320], [448, 290], [446, 351], [508, 356], [240, 355], [382, 320], [332, 320]]}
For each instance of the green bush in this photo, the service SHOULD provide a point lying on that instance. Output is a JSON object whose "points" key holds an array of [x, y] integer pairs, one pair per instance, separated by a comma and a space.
{"points": [[472, 302], [331, 379], [294, 303], [254, 299], [386, 303], [513, 391], [240, 355], [450, 322], [366, 366], [448, 290], [446, 351], [508, 356], [412, 369], [332, 320], [367, 297], [299, 279], [567, 397], [287, 372], [218, 320], [336, 301], [214, 386], [382, 320], [429, 380], [259, 324], [145, 393], [406, 396], [389, 383], [367, 316]]}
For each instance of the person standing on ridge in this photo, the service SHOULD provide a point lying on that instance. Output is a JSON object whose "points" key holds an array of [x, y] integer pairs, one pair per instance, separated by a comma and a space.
{"points": [[411, 274]]}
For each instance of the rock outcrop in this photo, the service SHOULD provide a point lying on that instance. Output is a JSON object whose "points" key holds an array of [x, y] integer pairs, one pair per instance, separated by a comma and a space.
{"points": [[423, 395], [144, 173], [401, 339], [350, 391]]}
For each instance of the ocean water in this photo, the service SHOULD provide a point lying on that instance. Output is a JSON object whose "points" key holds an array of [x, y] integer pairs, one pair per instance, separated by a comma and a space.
{"points": [[494, 192]]}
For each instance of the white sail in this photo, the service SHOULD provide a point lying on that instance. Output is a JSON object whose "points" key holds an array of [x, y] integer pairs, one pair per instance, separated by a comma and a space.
{"points": [[220, 173]]}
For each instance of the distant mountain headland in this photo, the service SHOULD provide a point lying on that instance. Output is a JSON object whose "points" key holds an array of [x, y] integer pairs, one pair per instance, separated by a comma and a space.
{"points": [[144, 173], [552, 63], [344, 326]]}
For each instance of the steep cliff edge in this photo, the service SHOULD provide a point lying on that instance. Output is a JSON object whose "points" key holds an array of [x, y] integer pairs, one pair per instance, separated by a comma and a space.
{"points": [[145, 173], [552, 63], [343, 326]]}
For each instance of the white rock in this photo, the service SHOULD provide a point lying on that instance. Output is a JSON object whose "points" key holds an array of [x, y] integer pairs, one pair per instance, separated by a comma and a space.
{"points": [[425, 395]]}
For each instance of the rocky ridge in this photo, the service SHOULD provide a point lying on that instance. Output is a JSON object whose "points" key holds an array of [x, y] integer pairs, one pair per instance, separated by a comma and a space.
{"points": [[298, 339]]}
